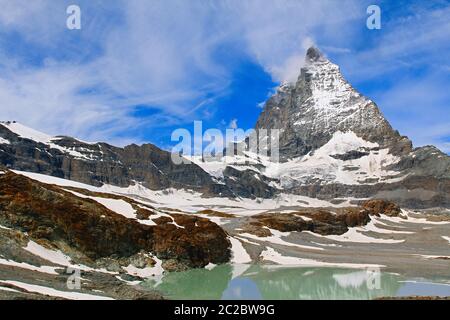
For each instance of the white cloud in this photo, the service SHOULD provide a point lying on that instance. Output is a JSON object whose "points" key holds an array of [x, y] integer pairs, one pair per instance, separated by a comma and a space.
{"points": [[419, 39], [161, 54]]}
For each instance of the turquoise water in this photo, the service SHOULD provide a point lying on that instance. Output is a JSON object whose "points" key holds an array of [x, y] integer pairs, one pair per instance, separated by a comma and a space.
{"points": [[257, 282]]}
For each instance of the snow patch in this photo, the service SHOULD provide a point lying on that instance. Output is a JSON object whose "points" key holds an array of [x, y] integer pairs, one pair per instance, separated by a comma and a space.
{"points": [[411, 219], [432, 256], [446, 238], [56, 257], [53, 292], [8, 289], [239, 254], [118, 206], [27, 133], [23, 265], [39, 137], [371, 226], [355, 235], [276, 239], [210, 266]]}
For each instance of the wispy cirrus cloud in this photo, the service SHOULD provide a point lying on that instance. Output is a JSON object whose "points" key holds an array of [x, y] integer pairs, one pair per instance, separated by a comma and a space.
{"points": [[165, 56]]}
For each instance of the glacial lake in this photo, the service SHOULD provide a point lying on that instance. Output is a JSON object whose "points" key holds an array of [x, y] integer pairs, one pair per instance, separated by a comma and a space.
{"points": [[257, 282]]}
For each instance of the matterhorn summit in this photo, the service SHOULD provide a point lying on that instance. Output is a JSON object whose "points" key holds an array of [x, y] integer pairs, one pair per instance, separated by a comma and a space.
{"points": [[336, 143], [320, 104]]}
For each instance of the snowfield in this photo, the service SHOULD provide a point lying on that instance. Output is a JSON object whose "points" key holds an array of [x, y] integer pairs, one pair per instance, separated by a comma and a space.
{"points": [[53, 292], [27, 266], [318, 165], [185, 200], [239, 254]]}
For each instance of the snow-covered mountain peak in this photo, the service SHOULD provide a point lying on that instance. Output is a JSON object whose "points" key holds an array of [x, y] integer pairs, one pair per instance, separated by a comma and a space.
{"points": [[27, 132], [321, 103], [329, 89], [67, 145]]}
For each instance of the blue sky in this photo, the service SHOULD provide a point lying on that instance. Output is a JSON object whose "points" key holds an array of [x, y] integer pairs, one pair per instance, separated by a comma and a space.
{"points": [[138, 69]]}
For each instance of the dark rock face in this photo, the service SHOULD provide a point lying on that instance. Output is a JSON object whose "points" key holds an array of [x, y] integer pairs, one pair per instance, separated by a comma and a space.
{"points": [[338, 222], [351, 155], [94, 282], [50, 213], [199, 242], [248, 183], [100, 163]]}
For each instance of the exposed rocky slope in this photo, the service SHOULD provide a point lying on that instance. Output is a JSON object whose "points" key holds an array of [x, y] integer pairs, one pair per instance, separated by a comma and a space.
{"points": [[50, 213], [45, 228], [321, 220], [22, 148]]}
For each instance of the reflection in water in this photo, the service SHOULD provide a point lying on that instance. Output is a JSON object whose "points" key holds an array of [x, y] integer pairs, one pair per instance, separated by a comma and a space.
{"points": [[195, 284], [324, 283], [414, 288], [242, 288], [281, 283]]}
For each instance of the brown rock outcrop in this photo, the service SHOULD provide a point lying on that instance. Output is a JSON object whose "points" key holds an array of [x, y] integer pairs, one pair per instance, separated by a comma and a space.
{"points": [[321, 221], [377, 207], [49, 212]]}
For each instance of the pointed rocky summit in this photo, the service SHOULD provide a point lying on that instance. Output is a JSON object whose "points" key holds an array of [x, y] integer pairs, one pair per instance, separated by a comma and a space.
{"points": [[320, 104]]}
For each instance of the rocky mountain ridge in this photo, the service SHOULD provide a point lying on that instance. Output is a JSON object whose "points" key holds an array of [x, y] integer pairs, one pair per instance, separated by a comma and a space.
{"points": [[25, 149]]}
